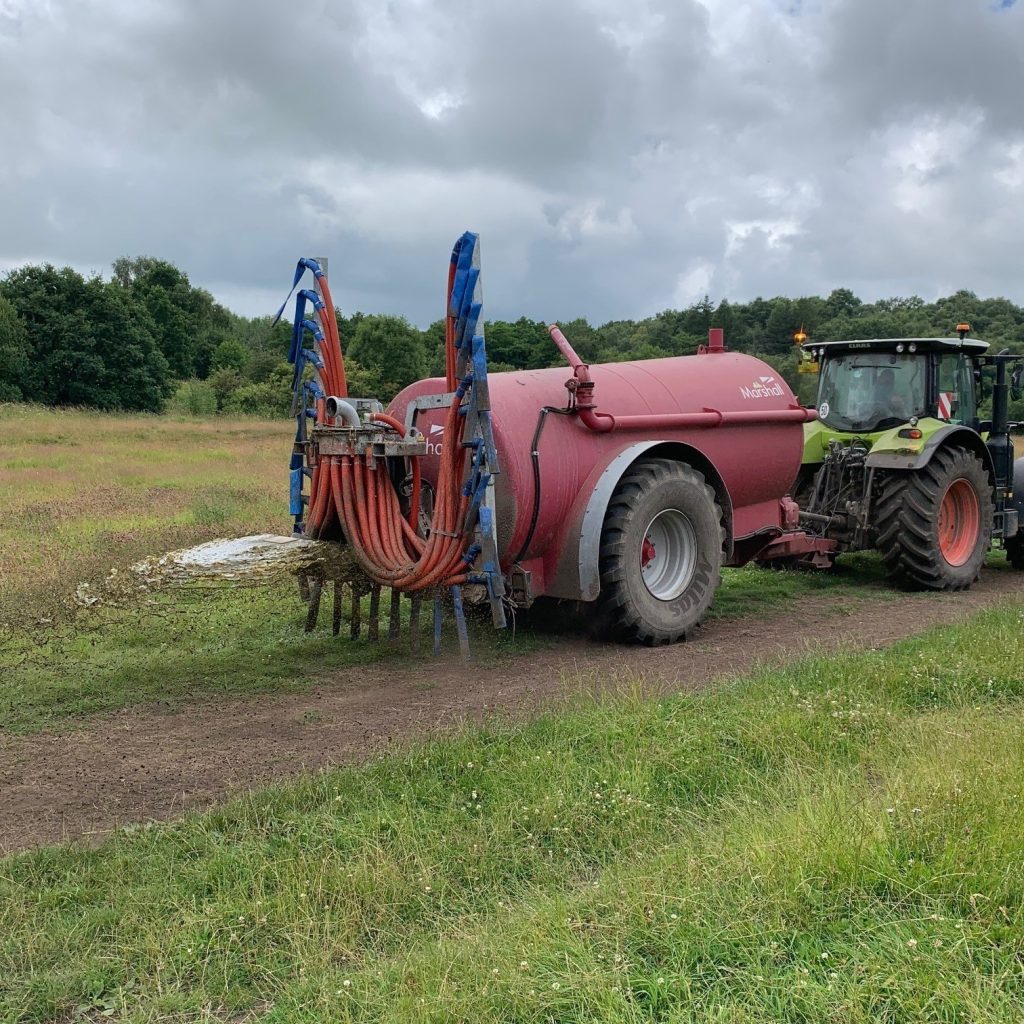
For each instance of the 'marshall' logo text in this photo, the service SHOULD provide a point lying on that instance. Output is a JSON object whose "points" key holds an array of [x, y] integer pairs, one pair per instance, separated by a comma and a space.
{"points": [[763, 387]]}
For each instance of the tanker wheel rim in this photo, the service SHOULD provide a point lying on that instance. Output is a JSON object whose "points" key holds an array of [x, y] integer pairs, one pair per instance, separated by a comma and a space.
{"points": [[668, 555], [959, 522]]}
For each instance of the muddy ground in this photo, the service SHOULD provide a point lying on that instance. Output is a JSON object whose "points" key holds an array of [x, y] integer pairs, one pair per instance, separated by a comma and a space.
{"points": [[146, 763]]}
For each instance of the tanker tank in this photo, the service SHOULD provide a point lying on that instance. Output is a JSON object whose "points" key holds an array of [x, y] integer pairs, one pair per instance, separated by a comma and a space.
{"points": [[724, 420]]}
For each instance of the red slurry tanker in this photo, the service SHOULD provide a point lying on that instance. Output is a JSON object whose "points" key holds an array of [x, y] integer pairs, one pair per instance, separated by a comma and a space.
{"points": [[624, 486]]}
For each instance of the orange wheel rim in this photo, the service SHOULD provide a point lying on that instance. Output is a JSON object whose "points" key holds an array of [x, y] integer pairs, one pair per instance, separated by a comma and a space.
{"points": [[959, 522]]}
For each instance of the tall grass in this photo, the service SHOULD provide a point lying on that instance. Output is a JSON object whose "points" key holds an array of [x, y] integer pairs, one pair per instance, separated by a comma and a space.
{"points": [[82, 492], [836, 841]]}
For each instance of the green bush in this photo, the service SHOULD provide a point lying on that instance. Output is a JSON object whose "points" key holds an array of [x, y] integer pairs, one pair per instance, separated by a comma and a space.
{"points": [[265, 401], [193, 398], [225, 382], [230, 354]]}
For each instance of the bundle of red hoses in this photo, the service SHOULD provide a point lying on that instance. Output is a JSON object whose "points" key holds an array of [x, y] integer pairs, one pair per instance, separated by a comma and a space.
{"points": [[358, 492]]}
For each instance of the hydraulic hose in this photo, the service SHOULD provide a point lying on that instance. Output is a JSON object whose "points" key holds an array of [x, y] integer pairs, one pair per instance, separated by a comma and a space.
{"points": [[357, 493]]}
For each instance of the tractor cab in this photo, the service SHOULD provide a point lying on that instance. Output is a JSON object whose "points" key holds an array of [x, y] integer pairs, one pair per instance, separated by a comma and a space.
{"points": [[866, 387]]}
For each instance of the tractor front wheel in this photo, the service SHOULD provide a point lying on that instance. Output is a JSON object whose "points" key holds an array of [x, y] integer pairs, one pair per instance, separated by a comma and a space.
{"points": [[935, 523], [661, 553]]}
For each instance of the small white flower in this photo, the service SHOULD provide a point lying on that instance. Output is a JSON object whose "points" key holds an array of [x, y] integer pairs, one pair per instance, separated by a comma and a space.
{"points": [[555, 985], [347, 983]]}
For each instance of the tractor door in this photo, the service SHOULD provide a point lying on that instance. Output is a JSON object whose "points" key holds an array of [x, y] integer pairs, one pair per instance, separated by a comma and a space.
{"points": [[955, 399]]}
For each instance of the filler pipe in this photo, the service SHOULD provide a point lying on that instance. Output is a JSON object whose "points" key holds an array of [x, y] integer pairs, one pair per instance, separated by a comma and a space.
{"points": [[335, 407]]}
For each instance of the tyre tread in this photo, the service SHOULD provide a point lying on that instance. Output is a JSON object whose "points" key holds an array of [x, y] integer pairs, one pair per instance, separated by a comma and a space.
{"points": [[907, 510], [622, 619]]}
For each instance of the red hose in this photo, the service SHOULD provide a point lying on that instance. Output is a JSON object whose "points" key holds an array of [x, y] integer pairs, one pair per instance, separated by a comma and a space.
{"points": [[358, 494], [339, 383]]}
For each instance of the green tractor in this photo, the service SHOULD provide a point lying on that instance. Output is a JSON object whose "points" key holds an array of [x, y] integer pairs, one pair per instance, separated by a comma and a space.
{"points": [[900, 461]]}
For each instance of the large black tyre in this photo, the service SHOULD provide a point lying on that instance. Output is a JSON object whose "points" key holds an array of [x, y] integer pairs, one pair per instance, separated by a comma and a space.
{"points": [[935, 523], [662, 504]]}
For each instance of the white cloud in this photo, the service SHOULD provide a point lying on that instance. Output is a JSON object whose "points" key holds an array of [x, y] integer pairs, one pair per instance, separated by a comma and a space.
{"points": [[693, 284]]}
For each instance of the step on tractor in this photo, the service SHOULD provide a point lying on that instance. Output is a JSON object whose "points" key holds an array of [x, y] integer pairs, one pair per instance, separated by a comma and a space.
{"points": [[900, 459]]}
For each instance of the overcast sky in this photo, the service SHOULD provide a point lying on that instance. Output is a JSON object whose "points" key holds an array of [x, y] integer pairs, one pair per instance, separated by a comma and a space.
{"points": [[617, 156]]}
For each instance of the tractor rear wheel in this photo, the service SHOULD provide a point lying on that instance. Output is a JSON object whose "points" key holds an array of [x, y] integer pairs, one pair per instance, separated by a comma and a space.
{"points": [[935, 524], [661, 553]]}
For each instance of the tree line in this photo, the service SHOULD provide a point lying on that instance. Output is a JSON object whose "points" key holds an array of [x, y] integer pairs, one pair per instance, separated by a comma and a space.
{"points": [[146, 339]]}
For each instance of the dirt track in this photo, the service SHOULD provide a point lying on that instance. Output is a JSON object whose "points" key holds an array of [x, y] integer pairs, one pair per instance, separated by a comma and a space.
{"points": [[144, 763]]}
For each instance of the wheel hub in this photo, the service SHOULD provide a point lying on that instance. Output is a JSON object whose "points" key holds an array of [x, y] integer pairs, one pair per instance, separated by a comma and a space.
{"points": [[959, 522], [668, 554]]}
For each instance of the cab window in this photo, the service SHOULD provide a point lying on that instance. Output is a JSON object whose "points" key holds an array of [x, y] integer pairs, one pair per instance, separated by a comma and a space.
{"points": [[955, 401], [871, 391]]}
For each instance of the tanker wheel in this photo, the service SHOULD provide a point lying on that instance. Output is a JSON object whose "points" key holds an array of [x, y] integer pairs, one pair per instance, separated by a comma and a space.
{"points": [[935, 524], [661, 553]]}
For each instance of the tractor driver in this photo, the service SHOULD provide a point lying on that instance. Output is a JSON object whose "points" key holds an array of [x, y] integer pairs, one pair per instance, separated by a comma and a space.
{"points": [[887, 400]]}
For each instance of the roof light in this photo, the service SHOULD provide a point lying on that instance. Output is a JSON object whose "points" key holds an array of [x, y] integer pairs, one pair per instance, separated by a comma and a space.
{"points": [[912, 347], [899, 347]]}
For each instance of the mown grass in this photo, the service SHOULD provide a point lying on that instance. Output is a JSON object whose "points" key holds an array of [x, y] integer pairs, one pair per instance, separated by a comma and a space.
{"points": [[835, 841], [208, 641], [82, 492], [755, 592]]}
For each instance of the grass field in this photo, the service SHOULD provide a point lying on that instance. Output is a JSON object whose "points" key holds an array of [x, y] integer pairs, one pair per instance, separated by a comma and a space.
{"points": [[82, 493], [835, 841]]}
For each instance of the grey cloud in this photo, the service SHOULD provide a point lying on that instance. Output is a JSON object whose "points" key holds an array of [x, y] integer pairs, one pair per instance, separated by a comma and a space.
{"points": [[616, 156]]}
